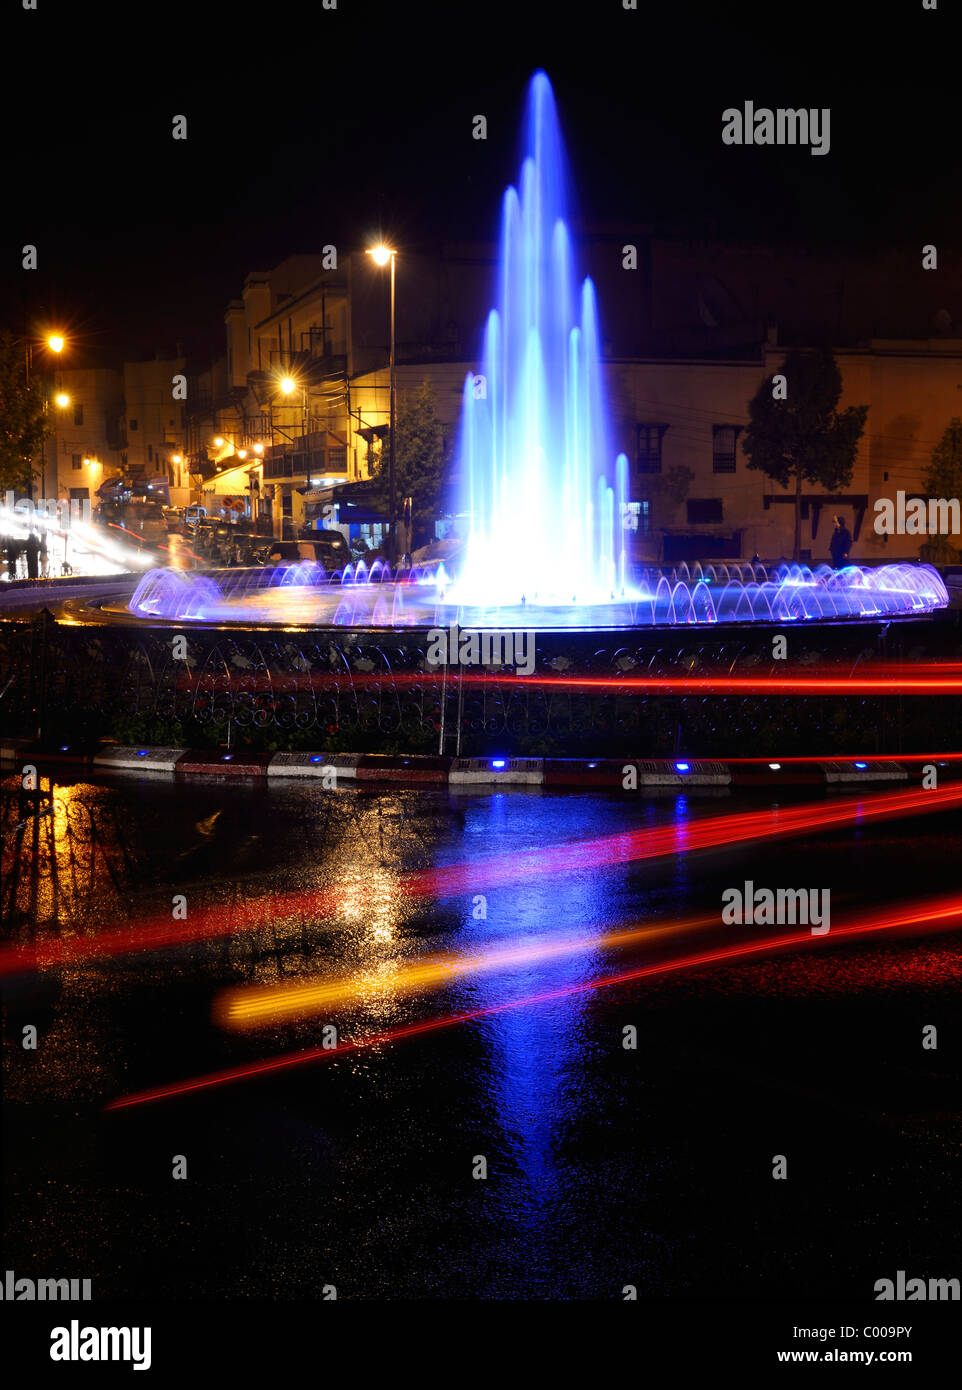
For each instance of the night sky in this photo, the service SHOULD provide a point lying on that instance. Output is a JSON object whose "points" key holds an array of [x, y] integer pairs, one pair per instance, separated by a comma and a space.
{"points": [[308, 127]]}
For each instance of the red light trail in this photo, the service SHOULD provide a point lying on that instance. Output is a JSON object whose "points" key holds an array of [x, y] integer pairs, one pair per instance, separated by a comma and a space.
{"points": [[811, 758], [516, 867], [935, 679], [943, 913]]}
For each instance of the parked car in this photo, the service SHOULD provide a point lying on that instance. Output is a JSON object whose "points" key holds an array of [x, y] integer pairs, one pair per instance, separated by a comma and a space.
{"points": [[204, 536], [229, 544], [327, 548]]}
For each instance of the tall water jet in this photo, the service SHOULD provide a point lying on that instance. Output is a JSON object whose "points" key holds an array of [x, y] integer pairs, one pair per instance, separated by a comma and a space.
{"points": [[546, 527]]}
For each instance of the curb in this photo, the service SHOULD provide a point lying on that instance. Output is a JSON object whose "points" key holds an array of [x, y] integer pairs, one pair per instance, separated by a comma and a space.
{"points": [[417, 770]]}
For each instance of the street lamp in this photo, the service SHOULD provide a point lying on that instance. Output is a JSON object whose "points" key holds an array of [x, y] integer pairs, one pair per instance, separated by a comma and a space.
{"points": [[55, 342], [381, 255], [62, 400]]}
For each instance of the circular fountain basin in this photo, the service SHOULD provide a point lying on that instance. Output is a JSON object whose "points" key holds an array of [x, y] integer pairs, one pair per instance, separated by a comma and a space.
{"points": [[304, 596]]}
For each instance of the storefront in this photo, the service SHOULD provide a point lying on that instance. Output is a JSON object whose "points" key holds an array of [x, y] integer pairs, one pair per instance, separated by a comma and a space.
{"points": [[351, 508], [234, 494]]}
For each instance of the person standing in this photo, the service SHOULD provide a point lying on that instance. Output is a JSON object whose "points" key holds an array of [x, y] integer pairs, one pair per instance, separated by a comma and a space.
{"points": [[840, 544], [32, 548]]}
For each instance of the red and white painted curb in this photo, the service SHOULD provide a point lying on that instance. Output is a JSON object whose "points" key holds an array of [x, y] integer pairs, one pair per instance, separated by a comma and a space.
{"points": [[422, 770]]}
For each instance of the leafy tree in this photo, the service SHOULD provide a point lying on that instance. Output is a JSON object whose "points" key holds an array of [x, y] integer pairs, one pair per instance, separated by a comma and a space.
{"points": [[804, 436], [419, 459], [23, 426], [670, 487], [944, 475], [943, 478]]}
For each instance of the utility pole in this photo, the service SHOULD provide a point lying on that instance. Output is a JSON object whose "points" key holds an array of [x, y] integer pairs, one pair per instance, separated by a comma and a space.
{"points": [[393, 549]]}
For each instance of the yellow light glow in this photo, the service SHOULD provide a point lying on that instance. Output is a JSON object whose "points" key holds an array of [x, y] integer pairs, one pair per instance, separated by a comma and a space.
{"points": [[177, 458], [242, 453], [287, 385], [218, 443], [62, 400], [258, 448], [261, 1005], [55, 343], [381, 254]]}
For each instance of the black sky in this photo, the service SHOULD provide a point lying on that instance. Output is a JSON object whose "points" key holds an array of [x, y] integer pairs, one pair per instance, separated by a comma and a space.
{"points": [[308, 127]]}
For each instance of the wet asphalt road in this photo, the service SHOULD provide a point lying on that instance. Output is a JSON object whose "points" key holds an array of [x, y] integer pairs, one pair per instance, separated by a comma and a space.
{"points": [[606, 1166]]}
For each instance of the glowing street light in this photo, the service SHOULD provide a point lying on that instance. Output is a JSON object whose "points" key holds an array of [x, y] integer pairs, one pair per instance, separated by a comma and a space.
{"points": [[288, 385], [62, 400], [56, 343], [380, 255], [218, 443]]}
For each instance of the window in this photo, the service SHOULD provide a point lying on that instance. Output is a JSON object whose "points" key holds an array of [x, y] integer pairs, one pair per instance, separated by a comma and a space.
{"points": [[150, 453], [703, 510], [78, 414], [132, 424], [724, 443], [649, 448], [76, 461]]}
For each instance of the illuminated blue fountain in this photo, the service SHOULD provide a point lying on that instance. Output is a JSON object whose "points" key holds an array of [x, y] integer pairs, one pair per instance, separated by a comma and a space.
{"points": [[546, 541], [535, 455]]}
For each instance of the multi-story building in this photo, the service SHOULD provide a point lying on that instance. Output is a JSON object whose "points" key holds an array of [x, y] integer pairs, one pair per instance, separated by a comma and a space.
{"points": [[691, 414], [298, 411], [155, 425], [84, 447]]}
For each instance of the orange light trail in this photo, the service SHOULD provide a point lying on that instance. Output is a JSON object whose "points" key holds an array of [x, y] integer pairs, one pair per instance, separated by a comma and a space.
{"points": [[944, 913], [516, 867], [261, 1005]]}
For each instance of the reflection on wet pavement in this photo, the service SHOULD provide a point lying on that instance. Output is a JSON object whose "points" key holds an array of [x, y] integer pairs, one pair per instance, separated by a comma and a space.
{"points": [[627, 1132]]}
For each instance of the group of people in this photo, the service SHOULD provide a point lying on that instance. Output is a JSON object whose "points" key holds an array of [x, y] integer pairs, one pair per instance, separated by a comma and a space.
{"points": [[34, 553]]}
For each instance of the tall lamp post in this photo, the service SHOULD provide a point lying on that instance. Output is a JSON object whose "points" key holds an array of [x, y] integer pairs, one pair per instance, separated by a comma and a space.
{"points": [[55, 343], [289, 386], [381, 255], [61, 400]]}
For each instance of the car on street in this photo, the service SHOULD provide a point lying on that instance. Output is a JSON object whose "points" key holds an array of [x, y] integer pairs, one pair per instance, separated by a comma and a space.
{"points": [[326, 548]]}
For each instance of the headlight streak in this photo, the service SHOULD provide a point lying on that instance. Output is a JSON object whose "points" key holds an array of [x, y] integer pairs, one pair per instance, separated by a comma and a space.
{"points": [[260, 1006], [518, 867], [944, 913]]}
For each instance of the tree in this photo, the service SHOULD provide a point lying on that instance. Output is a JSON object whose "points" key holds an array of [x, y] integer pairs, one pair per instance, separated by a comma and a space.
{"points": [[796, 432], [672, 486], [943, 478], [419, 459], [23, 426]]}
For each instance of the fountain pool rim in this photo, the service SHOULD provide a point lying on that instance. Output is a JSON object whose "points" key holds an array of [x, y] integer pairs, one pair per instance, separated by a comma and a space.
{"points": [[295, 598]]}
